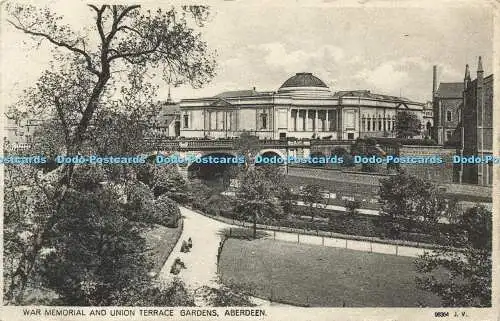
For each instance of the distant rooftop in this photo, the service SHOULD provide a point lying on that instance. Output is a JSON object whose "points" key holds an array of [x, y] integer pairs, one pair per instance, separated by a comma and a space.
{"points": [[242, 93], [367, 94], [450, 90]]}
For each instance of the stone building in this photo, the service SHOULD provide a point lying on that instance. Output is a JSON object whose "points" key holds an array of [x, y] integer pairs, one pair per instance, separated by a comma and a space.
{"points": [[476, 127], [166, 123], [303, 107], [446, 101], [20, 133]]}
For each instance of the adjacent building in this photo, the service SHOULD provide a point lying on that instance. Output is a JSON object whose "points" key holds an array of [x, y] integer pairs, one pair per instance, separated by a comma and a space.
{"points": [[20, 132], [446, 104], [476, 129], [166, 123], [303, 107], [428, 123]]}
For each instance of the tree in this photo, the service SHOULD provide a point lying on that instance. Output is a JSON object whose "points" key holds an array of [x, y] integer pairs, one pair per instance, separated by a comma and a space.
{"points": [[407, 125], [95, 231], [469, 269], [94, 75], [313, 198], [27, 207], [167, 180], [352, 207], [409, 202], [247, 145], [257, 194]]}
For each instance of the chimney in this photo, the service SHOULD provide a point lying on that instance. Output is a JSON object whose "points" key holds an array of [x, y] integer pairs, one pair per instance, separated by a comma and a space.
{"points": [[434, 80]]}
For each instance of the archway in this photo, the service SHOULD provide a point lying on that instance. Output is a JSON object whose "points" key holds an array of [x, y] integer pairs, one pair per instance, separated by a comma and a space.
{"points": [[214, 168], [270, 157]]}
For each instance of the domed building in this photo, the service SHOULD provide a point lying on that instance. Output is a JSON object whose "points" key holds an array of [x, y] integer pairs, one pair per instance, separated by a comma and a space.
{"points": [[302, 107]]}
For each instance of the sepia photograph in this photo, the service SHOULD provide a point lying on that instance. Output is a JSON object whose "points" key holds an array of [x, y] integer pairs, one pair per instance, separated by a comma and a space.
{"points": [[257, 160]]}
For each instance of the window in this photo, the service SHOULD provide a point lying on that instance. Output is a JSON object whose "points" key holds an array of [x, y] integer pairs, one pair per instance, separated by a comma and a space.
{"points": [[448, 115], [186, 121], [263, 121], [350, 135], [369, 123], [363, 124], [449, 133]]}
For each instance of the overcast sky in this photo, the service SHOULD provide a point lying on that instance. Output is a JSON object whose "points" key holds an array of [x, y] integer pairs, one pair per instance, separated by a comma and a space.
{"points": [[385, 50]]}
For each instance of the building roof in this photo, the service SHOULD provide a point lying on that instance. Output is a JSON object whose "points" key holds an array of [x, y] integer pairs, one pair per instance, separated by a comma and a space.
{"points": [[367, 94], [239, 93], [304, 79], [450, 90], [168, 108]]}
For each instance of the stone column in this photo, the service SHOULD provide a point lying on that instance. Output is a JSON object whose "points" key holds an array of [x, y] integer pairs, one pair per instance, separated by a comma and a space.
{"points": [[315, 120], [306, 120], [327, 121], [295, 120]]}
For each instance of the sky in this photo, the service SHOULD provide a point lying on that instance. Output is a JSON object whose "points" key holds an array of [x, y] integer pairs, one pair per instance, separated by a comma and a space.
{"points": [[389, 50]]}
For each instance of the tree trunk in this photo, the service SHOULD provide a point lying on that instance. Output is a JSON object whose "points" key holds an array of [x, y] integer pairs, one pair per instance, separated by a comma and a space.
{"points": [[255, 225]]}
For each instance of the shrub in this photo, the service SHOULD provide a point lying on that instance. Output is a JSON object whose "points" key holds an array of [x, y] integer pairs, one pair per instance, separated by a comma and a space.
{"points": [[219, 205], [165, 212]]}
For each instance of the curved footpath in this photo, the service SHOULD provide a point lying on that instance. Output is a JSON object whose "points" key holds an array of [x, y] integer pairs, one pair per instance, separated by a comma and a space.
{"points": [[205, 232], [201, 261]]}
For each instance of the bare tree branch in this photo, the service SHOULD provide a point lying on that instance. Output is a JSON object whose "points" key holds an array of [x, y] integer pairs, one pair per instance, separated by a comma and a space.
{"points": [[90, 66]]}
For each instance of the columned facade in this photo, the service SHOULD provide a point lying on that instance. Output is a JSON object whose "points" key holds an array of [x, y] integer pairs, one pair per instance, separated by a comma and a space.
{"points": [[303, 107]]}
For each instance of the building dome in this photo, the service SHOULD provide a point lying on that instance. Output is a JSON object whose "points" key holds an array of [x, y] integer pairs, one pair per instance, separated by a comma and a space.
{"points": [[304, 83], [303, 79]]}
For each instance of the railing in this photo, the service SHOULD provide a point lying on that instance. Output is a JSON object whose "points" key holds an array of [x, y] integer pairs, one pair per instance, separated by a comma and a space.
{"points": [[194, 144]]}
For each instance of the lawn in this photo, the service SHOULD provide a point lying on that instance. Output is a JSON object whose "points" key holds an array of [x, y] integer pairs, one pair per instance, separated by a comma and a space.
{"points": [[161, 240], [310, 275]]}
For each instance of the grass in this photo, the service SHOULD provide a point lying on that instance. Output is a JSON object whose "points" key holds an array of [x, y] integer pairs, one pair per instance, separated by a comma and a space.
{"points": [[161, 240], [310, 275]]}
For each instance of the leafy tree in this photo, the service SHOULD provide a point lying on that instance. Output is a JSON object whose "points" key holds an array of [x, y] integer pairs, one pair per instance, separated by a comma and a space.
{"points": [[165, 212], [247, 145], [287, 198], [98, 74], [27, 207], [313, 198], [352, 207], [467, 282], [97, 253], [409, 202], [198, 193], [407, 125], [167, 180], [257, 196]]}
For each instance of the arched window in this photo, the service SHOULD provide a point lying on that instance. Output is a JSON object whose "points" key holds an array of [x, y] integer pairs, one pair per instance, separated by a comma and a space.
{"points": [[363, 123], [448, 115]]}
